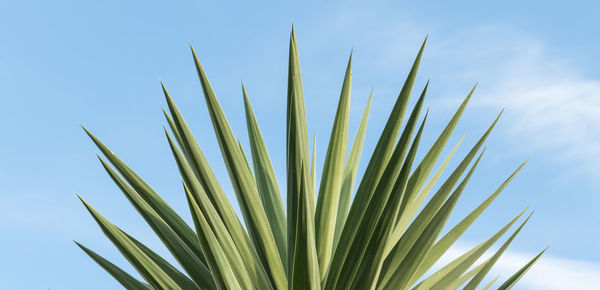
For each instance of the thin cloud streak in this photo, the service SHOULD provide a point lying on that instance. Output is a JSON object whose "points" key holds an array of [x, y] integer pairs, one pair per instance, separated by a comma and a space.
{"points": [[550, 106]]}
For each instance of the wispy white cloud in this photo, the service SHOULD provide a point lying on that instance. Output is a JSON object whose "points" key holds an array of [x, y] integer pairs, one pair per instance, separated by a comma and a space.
{"points": [[551, 107], [549, 273]]}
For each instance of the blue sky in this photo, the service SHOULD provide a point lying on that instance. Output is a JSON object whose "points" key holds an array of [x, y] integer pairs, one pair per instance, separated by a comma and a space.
{"points": [[66, 63]]}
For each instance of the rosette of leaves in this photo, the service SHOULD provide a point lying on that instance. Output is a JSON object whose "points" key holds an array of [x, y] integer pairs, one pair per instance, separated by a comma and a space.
{"points": [[379, 231]]}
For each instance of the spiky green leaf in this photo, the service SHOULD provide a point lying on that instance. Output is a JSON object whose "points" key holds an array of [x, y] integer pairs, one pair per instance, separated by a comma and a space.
{"points": [[153, 274], [121, 276], [184, 255], [350, 171], [408, 239], [244, 186], [296, 146], [375, 169], [485, 270], [266, 180], [510, 282], [216, 259], [452, 236], [305, 270], [175, 222], [370, 266], [241, 256], [331, 179], [406, 270]]}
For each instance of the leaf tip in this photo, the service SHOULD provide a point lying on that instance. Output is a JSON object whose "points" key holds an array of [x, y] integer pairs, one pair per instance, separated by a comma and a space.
{"points": [[85, 129]]}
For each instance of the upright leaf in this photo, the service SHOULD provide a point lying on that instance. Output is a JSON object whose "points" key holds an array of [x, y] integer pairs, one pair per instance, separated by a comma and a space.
{"points": [[404, 273], [203, 182], [246, 161], [313, 166], [370, 265], [408, 239], [349, 175], [377, 205], [305, 270], [253, 212], [266, 180], [296, 146], [206, 177], [420, 174], [219, 265], [413, 205], [331, 180], [373, 173], [242, 257]]}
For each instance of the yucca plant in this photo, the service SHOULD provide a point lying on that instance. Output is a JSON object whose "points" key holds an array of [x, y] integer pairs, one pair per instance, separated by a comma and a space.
{"points": [[331, 236]]}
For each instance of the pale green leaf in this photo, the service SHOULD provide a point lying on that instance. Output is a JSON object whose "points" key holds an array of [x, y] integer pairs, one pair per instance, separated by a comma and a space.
{"points": [[465, 277], [350, 171], [408, 239], [313, 166], [450, 238], [241, 256], [420, 174], [448, 274], [370, 265], [266, 180], [390, 179], [331, 178], [206, 177], [405, 271], [375, 168], [414, 205], [243, 184], [200, 178], [490, 284], [215, 257], [483, 272]]}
